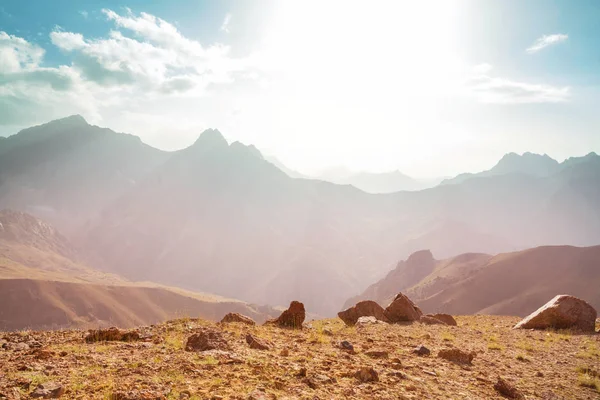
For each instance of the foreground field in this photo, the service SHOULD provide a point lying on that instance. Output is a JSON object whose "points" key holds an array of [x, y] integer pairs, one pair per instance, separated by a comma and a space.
{"points": [[307, 364]]}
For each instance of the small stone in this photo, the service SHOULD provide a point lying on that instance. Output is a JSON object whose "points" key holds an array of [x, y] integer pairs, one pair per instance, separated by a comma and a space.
{"points": [[539, 374], [346, 345], [237, 317], [367, 374], [507, 390], [206, 339], [431, 321], [257, 343], [446, 318], [456, 356], [284, 352], [48, 390], [377, 353], [422, 350], [301, 373], [327, 332]]}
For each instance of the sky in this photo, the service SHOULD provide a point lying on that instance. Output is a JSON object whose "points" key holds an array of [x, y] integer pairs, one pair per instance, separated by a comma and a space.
{"points": [[430, 88]]}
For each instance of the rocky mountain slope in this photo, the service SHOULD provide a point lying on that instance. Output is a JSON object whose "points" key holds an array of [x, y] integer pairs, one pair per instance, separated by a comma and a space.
{"points": [[218, 217], [505, 284], [325, 360], [44, 283]]}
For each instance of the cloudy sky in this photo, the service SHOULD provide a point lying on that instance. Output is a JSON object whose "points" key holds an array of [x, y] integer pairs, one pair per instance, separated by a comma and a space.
{"points": [[427, 87]]}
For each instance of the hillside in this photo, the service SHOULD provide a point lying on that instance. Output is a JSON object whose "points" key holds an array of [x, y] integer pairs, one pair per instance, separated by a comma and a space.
{"points": [[505, 284], [43, 304], [45, 284], [306, 364], [218, 217]]}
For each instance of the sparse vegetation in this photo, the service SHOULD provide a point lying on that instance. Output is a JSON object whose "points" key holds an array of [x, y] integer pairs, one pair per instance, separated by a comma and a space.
{"points": [[161, 366]]}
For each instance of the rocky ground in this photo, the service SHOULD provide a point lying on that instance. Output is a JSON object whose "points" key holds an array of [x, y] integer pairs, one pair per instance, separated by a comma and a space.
{"points": [[324, 360]]}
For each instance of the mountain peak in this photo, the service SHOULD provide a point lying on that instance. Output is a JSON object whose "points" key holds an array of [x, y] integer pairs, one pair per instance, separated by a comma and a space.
{"points": [[528, 163], [420, 257], [211, 138], [75, 119]]}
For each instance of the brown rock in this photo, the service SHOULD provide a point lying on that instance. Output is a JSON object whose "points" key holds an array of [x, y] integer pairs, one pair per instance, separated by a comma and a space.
{"points": [[48, 390], [402, 309], [111, 334], [456, 356], [365, 308], [447, 318], [507, 390], [237, 317], [431, 321], [206, 339], [377, 353], [257, 343], [292, 318], [562, 312], [422, 350], [367, 374]]}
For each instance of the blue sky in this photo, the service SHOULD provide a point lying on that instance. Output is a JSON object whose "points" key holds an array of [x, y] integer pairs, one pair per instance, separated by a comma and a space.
{"points": [[430, 88]]}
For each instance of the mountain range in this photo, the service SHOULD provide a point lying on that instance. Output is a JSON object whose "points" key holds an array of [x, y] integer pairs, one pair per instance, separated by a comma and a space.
{"points": [[513, 283], [220, 218]]}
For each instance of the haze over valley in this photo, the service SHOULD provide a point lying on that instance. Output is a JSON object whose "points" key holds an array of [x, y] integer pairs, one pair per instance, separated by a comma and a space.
{"points": [[299, 200]]}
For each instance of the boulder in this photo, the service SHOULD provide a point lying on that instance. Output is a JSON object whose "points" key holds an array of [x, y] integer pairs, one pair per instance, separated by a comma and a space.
{"points": [[367, 308], [237, 317], [447, 318], [402, 309], [292, 318], [562, 312], [206, 339], [427, 320]]}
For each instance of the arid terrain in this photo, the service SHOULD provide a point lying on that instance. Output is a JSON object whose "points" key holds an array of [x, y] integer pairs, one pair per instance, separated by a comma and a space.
{"points": [[308, 363]]}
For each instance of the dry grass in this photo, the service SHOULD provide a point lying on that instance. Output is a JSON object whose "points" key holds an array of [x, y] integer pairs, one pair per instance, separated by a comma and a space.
{"points": [[535, 362]]}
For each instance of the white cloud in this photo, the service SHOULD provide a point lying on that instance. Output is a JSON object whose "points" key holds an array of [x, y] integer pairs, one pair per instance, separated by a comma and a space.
{"points": [[67, 41], [159, 59], [488, 89], [545, 41], [225, 25], [84, 14]]}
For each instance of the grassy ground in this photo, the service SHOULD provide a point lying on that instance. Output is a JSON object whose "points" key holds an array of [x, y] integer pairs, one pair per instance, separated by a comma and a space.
{"points": [[537, 363]]}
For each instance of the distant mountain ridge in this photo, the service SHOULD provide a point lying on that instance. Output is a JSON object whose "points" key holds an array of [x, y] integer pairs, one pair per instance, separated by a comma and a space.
{"points": [[505, 284], [529, 164], [220, 218]]}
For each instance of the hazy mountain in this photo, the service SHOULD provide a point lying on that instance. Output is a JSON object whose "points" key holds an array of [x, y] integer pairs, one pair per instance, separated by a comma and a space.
{"points": [[220, 218], [44, 283], [505, 284], [371, 182], [288, 171], [529, 164], [68, 170]]}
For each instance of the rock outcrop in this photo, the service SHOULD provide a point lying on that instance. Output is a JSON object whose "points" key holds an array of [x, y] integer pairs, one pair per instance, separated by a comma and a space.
{"points": [[237, 317], [562, 312], [365, 308], [292, 318], [402, 309]]}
